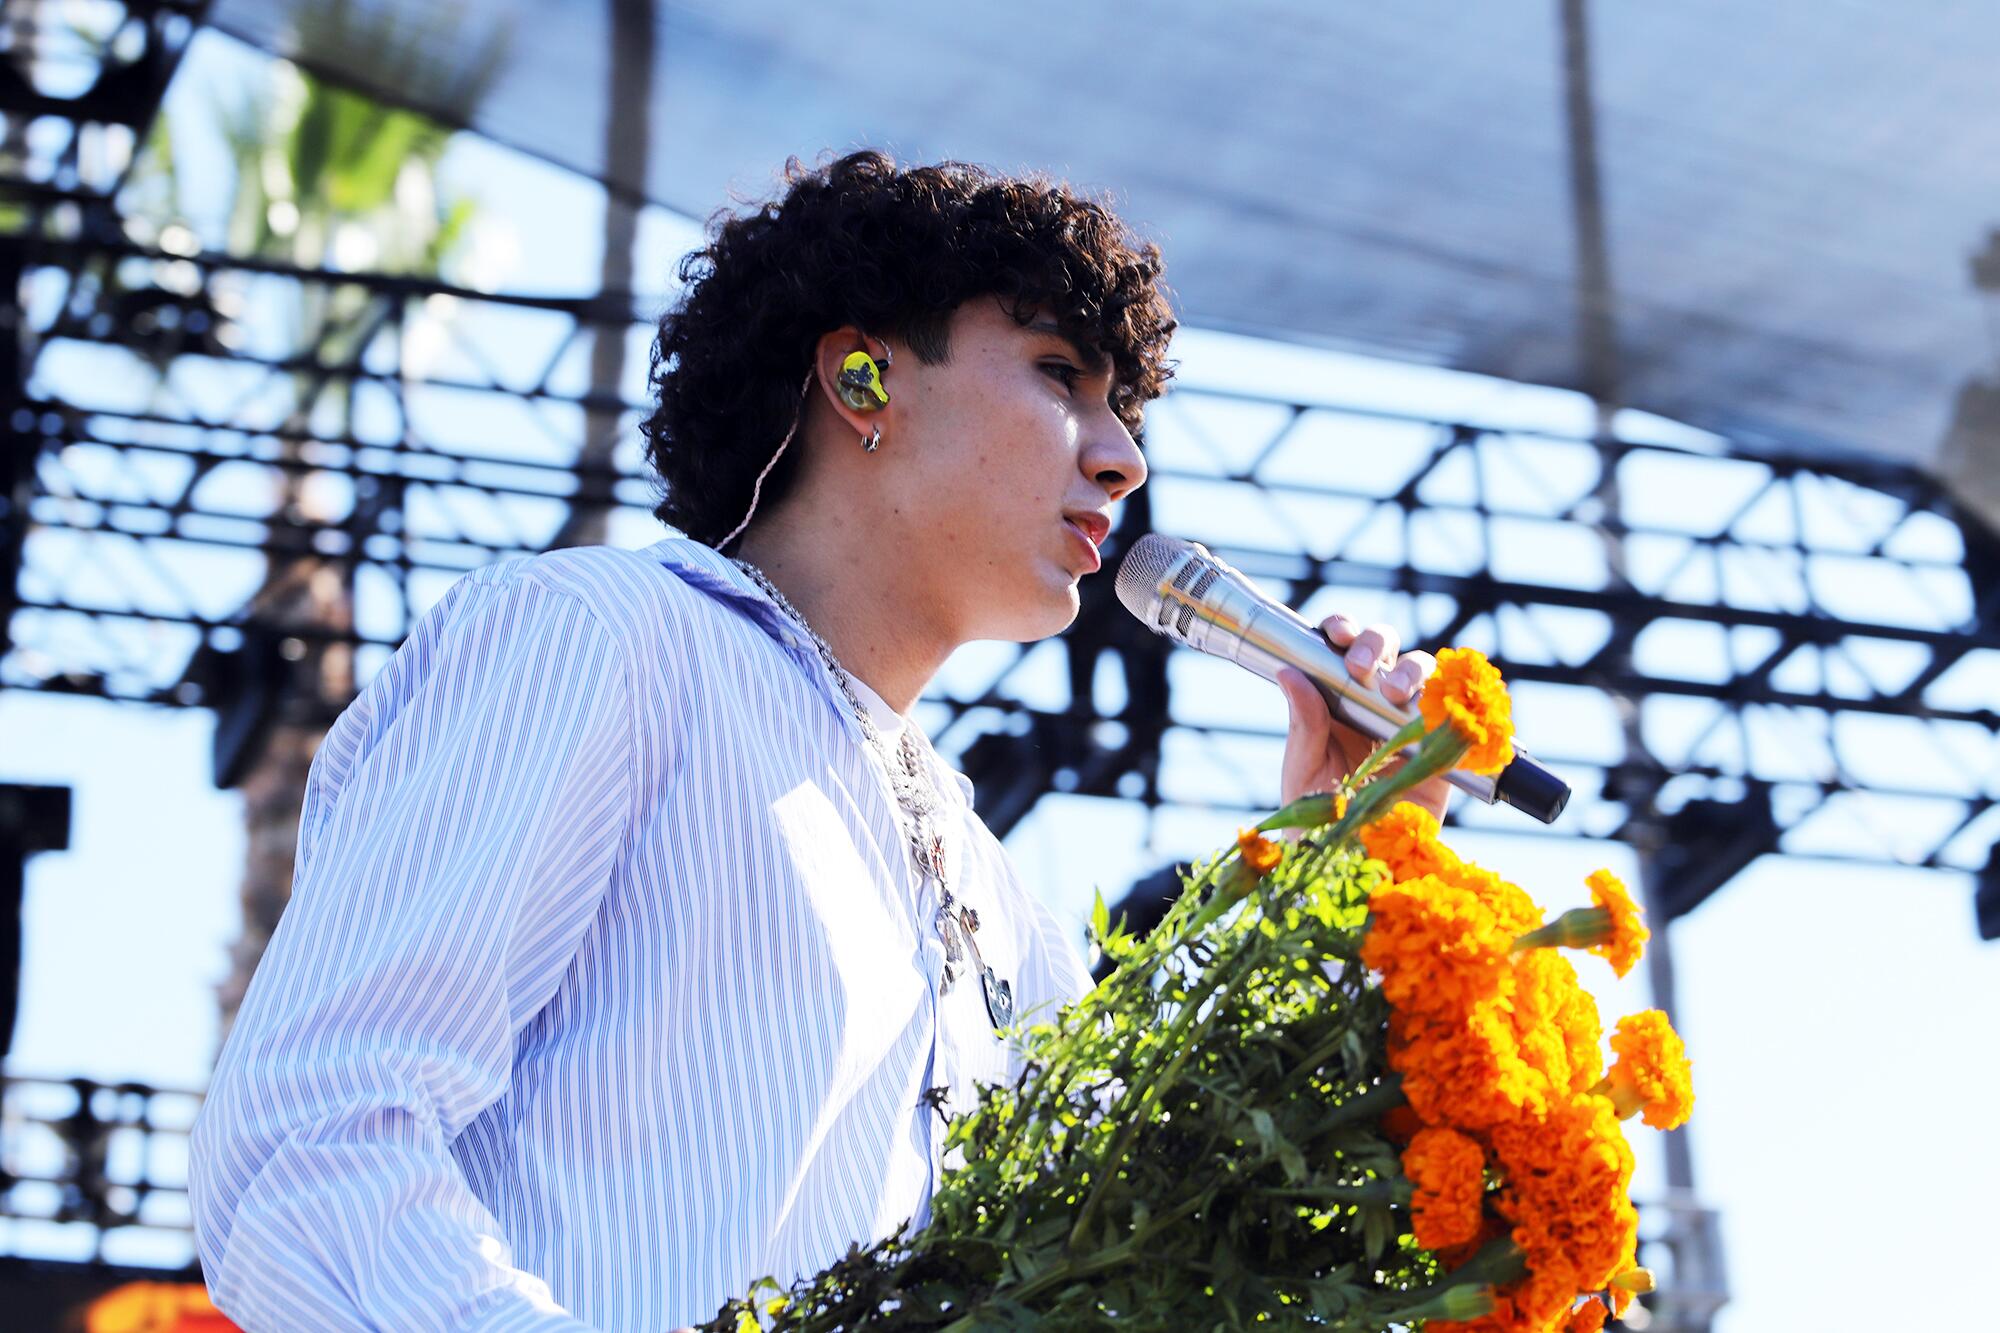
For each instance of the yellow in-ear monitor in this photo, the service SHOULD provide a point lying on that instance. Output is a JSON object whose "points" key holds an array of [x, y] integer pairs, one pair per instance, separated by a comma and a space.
{"points": [[860, 379]]}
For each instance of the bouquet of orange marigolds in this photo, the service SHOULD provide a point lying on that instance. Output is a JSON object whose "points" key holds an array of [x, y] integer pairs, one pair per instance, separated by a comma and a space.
{"points": [[1351, 1081]]}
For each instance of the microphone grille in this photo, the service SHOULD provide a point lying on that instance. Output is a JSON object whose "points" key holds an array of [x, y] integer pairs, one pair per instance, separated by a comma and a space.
{"points": [[1140, 573]]}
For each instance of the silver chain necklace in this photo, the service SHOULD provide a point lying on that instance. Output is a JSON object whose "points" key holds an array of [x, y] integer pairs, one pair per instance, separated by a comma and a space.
{"points": [[918, 798]]}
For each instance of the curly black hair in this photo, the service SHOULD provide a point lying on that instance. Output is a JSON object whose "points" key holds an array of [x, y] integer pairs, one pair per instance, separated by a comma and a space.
{"points": [[893, 251]]}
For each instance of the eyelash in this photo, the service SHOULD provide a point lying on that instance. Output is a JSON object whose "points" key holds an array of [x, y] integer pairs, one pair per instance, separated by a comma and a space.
{"points": [[1063, 368]]}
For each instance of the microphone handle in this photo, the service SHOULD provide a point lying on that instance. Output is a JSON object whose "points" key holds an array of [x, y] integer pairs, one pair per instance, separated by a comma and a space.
{"points": [[1261, 636]]}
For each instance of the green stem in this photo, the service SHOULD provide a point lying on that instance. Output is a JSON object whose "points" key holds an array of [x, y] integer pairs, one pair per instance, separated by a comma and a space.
{"points": [[1182, 923], [1179, 1041], [1068, 1269], [1307, 1067], [1383, 1097], [1137, 969], [1438, 751], [1497, 1263], [1412, 731], [1375, 1191], [1578, 928]]}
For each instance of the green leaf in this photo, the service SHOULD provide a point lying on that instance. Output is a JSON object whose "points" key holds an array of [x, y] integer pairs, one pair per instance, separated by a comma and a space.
{"points": [[1260, 1121], [1376, 1230]]}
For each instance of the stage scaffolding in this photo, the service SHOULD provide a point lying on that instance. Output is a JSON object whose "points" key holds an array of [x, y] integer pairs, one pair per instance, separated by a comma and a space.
{"points": [[1774, 595], [1726, 678]]}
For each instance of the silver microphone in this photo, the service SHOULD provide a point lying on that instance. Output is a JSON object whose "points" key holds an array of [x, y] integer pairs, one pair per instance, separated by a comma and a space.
{"points": [[1184, 592]]}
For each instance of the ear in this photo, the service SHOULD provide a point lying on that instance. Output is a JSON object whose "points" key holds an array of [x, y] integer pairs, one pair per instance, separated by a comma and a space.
{"points": [[830, 353]]}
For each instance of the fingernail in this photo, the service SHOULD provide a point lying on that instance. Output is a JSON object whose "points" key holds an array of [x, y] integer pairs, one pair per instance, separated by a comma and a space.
{"points": [[1365, 657]]}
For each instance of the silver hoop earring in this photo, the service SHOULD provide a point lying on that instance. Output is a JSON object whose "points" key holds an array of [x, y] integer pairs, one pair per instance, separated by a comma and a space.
{"points": [[873, 441]]}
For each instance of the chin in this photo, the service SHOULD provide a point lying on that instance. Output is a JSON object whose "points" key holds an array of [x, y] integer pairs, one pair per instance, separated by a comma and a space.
{"points": [[1062, 612], [1049, 611]]}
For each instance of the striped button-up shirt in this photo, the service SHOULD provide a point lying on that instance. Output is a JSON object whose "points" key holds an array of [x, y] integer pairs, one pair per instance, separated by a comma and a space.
{"points": [[608, 983]]}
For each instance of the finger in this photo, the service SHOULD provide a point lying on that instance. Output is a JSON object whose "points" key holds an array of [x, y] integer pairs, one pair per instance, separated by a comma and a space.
{"points": [[1401, 682], [1309, 736], [1309, 715], [1339, 630], [1373, 649]]}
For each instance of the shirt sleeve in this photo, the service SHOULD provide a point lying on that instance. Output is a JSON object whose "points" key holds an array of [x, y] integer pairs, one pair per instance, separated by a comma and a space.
{"points": [[461, 825]]}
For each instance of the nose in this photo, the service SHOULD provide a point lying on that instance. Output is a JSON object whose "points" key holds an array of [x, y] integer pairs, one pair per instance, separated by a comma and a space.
{"points": [[1114, 462]]}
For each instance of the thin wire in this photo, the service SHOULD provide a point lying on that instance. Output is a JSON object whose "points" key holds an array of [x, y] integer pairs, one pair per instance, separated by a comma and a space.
{"points": [[758, 489]]}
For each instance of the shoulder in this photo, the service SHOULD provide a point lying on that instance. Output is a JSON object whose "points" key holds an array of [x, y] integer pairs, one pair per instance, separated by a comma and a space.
{"points": [[656, 603], [605, 619], [623, 590]]}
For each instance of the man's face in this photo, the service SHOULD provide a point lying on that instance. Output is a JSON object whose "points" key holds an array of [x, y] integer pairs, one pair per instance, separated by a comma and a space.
{"points": [[999, 450]]}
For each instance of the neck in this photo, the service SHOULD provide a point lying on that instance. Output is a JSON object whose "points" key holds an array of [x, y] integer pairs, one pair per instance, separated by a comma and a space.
{"points": [[871, 612]]}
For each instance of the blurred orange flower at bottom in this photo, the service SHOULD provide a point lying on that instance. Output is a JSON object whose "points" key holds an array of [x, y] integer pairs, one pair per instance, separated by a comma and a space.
{"points": [[156, 1307]]}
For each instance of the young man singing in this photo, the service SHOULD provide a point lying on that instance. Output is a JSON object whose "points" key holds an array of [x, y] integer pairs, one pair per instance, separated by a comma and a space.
{"points": [[637, 938]]}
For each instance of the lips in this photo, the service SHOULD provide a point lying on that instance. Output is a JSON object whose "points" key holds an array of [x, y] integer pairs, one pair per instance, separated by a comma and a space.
{"points": [[1094, 526], [1090, 531]]}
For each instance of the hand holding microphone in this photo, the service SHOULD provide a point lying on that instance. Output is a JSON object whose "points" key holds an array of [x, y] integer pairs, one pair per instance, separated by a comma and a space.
{"points": [[1182, 591], [1320, 751]]}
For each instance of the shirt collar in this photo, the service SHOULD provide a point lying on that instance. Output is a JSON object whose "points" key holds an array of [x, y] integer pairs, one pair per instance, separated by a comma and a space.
{"points": [[717, 575], [706, 568]]}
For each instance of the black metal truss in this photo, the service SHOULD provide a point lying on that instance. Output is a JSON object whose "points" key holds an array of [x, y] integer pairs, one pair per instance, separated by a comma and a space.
{"points": [[123, 482], [98, 1157], [156, 391]]}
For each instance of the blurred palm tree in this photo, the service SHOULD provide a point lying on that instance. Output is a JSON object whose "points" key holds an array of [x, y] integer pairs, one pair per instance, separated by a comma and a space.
{"points": [[325, 178]]}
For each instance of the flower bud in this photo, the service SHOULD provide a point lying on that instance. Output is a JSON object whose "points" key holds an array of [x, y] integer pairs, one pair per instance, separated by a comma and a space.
{"points": [[1455, 1304], [1257, 856], [1259, 853], [1578, 928], [1626, 1099], [1467, 1302], [1312, 811]]}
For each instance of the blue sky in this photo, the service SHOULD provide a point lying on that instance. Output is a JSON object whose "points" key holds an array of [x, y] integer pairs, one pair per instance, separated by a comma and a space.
{"points": [[1822, 1001]]}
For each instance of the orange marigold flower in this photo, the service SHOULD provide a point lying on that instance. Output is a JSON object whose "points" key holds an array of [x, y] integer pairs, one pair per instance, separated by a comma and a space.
{"points": [[1628, 931], [1457, 1256], [1566, 1189], [1448, 1173], [1259, 852], [1439, 948], [1406, 840], [1400, 1124], [1652, 1072], [1466, 692], [1556, 1021], [1612, 929], [1587, 1318], [1509, 902], [1259, 856], [1544, 1298], [1468, 1074]]}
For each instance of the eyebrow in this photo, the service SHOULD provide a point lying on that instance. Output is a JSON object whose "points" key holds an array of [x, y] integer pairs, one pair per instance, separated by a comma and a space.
{"points": [[1095, 362]]}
